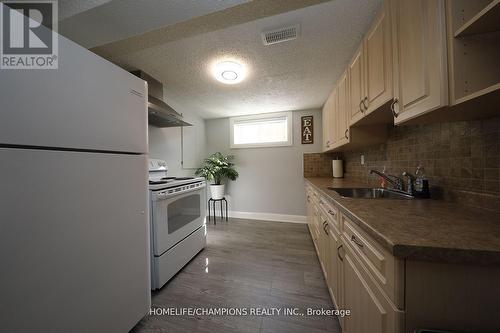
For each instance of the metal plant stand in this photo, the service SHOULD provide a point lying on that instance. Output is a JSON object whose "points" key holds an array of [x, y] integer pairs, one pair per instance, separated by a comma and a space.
{"points": [[213, 202]]}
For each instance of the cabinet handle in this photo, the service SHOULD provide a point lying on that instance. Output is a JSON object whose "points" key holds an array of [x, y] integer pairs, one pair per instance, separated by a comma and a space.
{"points": [[360, 108], [345, 134], [394, 102], [331, 212], [365, 100], [356, 241], [338, 253], [325, 227]]}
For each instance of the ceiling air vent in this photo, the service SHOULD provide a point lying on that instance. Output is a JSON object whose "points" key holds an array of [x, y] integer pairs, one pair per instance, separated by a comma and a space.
{"points": [[280, 35]]}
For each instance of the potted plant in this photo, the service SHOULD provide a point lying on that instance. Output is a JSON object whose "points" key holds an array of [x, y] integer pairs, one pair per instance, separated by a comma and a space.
{"points": [[215, 168]]}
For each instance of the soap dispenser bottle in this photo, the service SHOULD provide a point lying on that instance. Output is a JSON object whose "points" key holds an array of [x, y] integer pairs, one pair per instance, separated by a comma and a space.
{"points": [[421, 183]]}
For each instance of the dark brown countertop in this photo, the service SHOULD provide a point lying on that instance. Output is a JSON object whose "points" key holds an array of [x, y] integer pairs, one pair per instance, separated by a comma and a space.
{"points": [[421, 229]]}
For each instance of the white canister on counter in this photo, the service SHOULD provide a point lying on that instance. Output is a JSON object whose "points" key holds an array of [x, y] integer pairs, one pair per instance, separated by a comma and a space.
{"points": [[338, 168]]}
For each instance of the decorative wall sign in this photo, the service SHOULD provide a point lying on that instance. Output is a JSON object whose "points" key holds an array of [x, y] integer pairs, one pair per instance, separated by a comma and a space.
{"points": [[307, 129]]}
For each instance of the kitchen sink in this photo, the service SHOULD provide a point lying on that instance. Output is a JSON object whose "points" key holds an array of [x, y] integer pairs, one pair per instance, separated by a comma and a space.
{"points": [[370, 193]]}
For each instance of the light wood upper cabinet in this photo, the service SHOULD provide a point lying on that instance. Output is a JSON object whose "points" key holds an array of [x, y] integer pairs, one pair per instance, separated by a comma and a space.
{"points": [[326, 117], [342, 112], [418, 56], [330, 121], [356, 87], [370, 71], [378, 61], [334, 116], [419, 48], [324, 120]]}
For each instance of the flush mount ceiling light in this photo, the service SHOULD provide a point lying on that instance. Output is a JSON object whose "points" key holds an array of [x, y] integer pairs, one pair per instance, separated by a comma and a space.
{"points": [[229, 72]]}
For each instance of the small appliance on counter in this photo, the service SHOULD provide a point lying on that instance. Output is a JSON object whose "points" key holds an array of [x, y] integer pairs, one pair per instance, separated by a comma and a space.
{"points": [[338, 168], [177, 217]]}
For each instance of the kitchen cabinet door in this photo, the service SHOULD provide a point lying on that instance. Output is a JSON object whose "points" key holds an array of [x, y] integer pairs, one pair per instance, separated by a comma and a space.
{"points": [[324, 120], [328, 123], [370, 309], [333, 264], [315, 225], [356, 86], [378, 61], [309, 207], [342, 112], [419, 46], [323, 244], [331, 121]]}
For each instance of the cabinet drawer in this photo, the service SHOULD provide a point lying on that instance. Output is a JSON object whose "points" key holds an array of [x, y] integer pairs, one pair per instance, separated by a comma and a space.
{"points": [[330, 211], [386, 270]]}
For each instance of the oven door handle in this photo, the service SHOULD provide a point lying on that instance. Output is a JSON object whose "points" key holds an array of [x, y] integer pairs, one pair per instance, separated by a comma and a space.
{"points": [[164, 195]]}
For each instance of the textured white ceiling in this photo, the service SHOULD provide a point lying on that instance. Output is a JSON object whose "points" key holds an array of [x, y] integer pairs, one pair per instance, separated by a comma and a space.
{"points": [[68, 8], [97, 22], [287, 76]]}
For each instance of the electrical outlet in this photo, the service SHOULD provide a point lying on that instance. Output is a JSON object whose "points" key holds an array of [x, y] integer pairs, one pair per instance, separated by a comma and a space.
{"points": [[362, 159]]}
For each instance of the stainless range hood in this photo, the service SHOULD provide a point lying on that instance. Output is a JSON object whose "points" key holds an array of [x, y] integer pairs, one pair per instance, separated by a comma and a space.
{"points": [[160, 114]]}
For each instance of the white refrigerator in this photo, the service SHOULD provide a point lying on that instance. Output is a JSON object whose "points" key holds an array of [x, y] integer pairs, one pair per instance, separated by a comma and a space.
{"points": [[74, 232]]}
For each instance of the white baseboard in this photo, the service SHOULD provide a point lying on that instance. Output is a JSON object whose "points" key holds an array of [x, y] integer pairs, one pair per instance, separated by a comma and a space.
{"points": [[268, 217]]}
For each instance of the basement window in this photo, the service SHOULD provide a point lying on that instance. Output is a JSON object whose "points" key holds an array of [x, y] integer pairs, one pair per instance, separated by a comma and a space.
{"points": [[264, 130]]}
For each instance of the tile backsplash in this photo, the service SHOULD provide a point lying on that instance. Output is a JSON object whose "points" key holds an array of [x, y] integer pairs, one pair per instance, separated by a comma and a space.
{"points": [[461, 159], [456, 155], [318, 164]]}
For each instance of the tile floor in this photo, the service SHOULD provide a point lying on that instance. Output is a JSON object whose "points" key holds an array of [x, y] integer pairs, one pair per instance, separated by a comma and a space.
{"points": [[247, 264]]}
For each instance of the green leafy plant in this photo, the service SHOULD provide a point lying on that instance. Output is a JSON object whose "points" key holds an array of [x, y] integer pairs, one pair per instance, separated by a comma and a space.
{"points": [[217, 167]]}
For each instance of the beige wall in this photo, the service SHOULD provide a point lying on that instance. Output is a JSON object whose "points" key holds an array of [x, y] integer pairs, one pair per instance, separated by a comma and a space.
{"points": [[271, 179], [166, 144]]}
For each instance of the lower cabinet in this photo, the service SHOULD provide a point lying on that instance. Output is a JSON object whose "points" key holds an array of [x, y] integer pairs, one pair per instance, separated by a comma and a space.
{"points": [[351, 285], [371, 310], [333, 264], [386, 294], [323, 248]]}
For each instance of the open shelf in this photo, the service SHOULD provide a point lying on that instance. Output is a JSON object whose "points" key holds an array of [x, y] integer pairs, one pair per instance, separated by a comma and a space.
{"points": [[474, 66], [486, 20], [473, 48]]}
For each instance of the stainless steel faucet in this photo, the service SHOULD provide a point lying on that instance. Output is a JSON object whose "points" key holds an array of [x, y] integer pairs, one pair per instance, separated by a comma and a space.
{"points": [[396, 182]]}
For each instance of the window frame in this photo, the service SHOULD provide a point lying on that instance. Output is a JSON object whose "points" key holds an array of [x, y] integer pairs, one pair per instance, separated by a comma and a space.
{"points": [[289, 119]]}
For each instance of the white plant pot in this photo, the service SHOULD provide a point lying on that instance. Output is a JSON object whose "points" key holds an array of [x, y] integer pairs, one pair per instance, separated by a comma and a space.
{"points": [[217, 191]]}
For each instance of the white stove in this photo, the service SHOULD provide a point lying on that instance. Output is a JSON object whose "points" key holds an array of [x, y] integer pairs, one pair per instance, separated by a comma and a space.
{"points": [[177, 216], [158, 178]]}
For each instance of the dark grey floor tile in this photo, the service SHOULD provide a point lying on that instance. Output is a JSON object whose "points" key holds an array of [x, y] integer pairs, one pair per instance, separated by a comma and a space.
{"points": [[247, 264]]}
